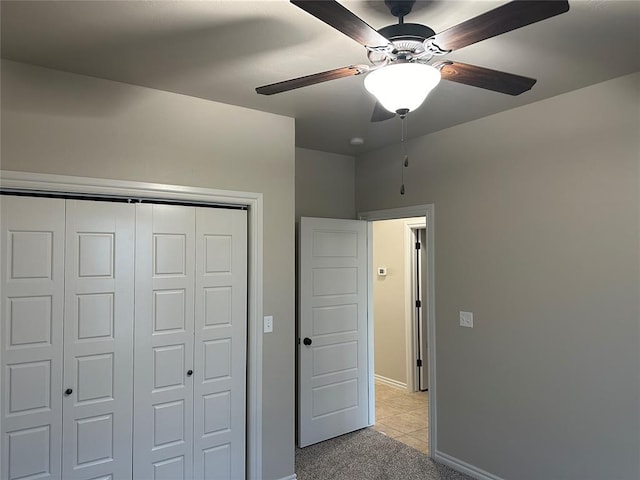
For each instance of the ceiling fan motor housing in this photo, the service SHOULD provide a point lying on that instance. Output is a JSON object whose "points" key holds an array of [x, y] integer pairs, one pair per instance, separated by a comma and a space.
{"points": [[408, 41], [407, 31]]}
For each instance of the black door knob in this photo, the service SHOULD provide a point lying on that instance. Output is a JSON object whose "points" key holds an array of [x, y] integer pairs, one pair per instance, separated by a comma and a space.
{"points": [[68, 391], [189, 373], [307, 341]]}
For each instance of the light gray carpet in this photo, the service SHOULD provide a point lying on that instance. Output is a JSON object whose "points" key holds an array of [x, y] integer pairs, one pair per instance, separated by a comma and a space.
{"points": [[368, 455]]}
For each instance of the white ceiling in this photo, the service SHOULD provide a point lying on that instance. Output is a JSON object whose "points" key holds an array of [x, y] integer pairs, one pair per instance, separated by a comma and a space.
{"points": [[222, 50]]}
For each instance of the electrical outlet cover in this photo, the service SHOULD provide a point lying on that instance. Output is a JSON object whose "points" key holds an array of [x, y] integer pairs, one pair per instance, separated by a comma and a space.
{"points": [[466, 319], [268, 324]]}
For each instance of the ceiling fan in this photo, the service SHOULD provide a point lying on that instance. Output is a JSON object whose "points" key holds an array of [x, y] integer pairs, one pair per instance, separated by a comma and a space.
{"points": [[405, 47]]}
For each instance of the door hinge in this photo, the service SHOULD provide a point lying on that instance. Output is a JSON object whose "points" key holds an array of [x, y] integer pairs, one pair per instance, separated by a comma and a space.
{"points": [[419, 362], [418, 303], [417, 245]]}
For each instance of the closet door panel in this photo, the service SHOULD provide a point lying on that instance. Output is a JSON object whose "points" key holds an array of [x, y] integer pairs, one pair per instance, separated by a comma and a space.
{"points": [[163, 396], [32, 288], [98, 330], [220, 344]]}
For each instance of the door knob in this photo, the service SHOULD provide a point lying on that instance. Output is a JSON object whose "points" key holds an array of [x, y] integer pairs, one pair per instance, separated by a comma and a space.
{"points": [[307, 341], [68, 391], [189, 373]]}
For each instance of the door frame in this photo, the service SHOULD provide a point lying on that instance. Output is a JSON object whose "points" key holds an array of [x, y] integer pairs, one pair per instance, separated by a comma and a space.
{"points": [[411, 330], [427, 211], [14, 181]]}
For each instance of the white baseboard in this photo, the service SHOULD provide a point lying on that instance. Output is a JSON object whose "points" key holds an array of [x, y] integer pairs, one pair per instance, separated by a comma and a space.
{"points": [[290, 477], [390, 382], [464, 467]]}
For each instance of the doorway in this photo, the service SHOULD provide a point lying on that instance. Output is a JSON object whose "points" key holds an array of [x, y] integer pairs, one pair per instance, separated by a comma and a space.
{"points": [[423, 217], [335, 281], [400, 330]]}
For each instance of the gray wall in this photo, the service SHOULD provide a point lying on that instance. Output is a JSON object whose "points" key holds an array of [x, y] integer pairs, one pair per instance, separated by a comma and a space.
{"points": [[325, 184], [537, 233], [60, 123]]}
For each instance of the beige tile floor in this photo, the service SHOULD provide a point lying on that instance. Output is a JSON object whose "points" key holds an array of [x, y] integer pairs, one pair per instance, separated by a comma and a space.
{"points": [[403, 416]]}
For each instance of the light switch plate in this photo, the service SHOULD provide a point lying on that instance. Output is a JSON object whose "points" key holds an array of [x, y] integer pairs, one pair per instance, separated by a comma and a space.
{"points": [[466, 319], [268, 324]]}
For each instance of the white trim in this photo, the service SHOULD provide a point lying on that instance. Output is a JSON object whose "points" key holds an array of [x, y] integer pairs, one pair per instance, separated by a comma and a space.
{"points": [[431, 326], [390, 381], [427, 211], [370, 332], [254, 202], [290, 477], [409, 302], [99, 186], [393, 213], [409, 329], [464, 467]]}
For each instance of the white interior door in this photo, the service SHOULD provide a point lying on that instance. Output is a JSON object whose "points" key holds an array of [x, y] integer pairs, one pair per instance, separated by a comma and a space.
{"points": [[164, 310], [32, 287], [332, 354], [220, 344], [98, 344]]}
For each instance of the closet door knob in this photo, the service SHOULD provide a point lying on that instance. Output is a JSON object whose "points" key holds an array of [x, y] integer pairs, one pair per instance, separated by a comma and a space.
{"points": [[189, 373], [68, 391], [307, 341]]}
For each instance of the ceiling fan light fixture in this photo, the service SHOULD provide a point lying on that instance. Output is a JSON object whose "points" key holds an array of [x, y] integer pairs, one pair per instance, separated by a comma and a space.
{"points": [[402, 87]]}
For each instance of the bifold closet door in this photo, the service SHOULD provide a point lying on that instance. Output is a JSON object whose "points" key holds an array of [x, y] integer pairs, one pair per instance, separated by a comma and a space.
{"points": [[32, 286], [163, 391], [67, 322], [190, 343], [220, 344], [98, 340]]}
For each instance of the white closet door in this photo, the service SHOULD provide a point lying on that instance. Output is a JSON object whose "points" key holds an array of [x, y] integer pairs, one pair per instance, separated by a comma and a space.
{"points": [[98, 346], [220, 344], [163, 391], [32, 285]]}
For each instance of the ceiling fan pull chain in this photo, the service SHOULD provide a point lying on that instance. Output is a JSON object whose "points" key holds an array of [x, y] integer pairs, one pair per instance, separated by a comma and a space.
{"points": [[405, 134], [403, 142]]}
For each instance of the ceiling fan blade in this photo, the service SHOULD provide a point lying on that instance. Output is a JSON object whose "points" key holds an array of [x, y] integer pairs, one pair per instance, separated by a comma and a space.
{"points": [[380, 114], [485, 78], [500, 20], [343, 20], [305, 81]]}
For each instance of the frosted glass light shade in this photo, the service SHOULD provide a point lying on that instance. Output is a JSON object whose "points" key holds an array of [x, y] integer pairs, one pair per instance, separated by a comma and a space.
{"points": [[402, 86]]}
